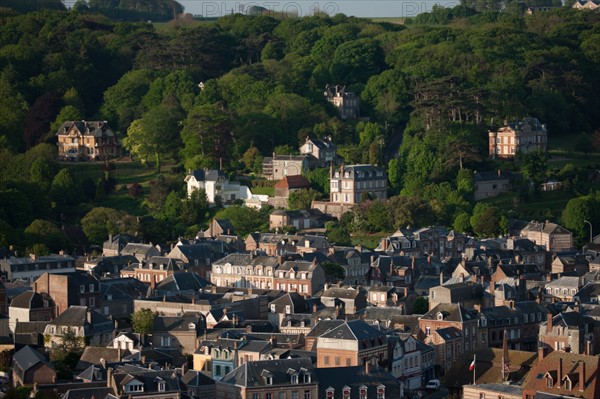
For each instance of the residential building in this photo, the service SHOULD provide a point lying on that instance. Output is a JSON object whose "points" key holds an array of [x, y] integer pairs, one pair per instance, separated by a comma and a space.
{"points": [[321, 149], [244, 270], [451, 329], [132, 381], [352, 343], [358, 382], [407, 361], [87, 140], [270, 379], [31, 367], [346, 102], [492, 184], [562, 289], [586, 4], [528, 135], [180, 333], [89, 325], [550, 235], [519, 323], [569, 332], [349, 300], [468, 293], [34, 266], [436, 241], [218, 188], [30, 306], [352, 183], [570, 265], [563, 375], [115, 244], [76, 288], [279, 166], [289, 184], [298, 219], [198, 385], [279, 244], [305, 278], [141, 252], [155, 270]]}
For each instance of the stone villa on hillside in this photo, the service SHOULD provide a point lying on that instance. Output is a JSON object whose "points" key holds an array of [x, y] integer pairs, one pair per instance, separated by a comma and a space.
{"points": [[347, 103], [216, 185], [89, 141], [552, 236], [528, 135]]}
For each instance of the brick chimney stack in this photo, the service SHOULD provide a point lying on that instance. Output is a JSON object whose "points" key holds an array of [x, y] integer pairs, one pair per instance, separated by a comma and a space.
{"points": [[560, 370], [582, 376], [549, 324]]}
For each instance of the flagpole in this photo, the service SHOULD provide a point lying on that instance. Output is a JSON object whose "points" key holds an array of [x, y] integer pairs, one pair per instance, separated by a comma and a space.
{"points": [[474, 368]]}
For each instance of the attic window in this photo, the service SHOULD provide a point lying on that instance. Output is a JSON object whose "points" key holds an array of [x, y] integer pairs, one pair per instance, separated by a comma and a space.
{"points": [[161, 386], [346, 392], [330, 392], [440, 316], [269, 379], [549, 382], [362, 392], [307, 378], [295, 378], [567, 383]]}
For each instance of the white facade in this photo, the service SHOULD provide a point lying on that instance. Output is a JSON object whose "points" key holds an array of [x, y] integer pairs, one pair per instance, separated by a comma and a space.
{"points": [[215, 184]]}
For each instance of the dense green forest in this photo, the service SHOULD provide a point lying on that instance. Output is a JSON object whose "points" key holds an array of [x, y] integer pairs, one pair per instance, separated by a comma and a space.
{"points": [[430, 90]]}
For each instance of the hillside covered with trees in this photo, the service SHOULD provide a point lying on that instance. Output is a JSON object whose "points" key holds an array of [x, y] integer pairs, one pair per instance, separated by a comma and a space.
{"points": [[243, 87]]}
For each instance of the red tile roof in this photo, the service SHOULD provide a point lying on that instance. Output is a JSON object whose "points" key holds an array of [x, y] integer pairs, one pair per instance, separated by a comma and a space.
{"points": [[573, 366], [297, 181]]}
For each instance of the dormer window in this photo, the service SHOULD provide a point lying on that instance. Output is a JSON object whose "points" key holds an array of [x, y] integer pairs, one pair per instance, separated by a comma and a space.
{"points": [[346, 392], [294, 378], [161, 386], [381, 391], [362, 392], [307, 378], [330, 392], [549, 382], [192, 326], [567, 384], [440, 316], [269, 379], [82, 289], [273, 308]]}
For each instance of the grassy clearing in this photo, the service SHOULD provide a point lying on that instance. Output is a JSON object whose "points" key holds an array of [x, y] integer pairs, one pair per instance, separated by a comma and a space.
{"points": [[369, 240], [562, 150], [393, 20], [263, 191]]}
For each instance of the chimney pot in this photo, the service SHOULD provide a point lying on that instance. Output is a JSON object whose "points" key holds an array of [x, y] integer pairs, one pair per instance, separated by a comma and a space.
{"points": [[582, 376]]}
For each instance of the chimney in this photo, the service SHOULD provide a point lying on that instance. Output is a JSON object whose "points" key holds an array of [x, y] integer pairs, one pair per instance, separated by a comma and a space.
{"points": [[560, 370], [103, 362], [89, 316], [441, 278], [109, 373], [549, 324], [541, 352], [368, 366], [582, 376], [314, 308]]}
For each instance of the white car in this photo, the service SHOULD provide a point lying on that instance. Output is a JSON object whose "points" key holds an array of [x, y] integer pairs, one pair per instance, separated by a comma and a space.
{"points": [[433, 384]]}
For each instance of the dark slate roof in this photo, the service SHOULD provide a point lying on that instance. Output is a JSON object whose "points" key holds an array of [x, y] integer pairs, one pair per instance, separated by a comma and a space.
{"points": [[28, 300], [206, 174], [187, 322], [354, 378], [324, 326], [451, 312], [354, 330], [77, 316], [93, 354], [449, 333], [28, 327], [195, 378], [149, 378], [28, 357], [88, 393], [493, 175], [91, 128], [341, 292], [181, 282], [253, 374]]}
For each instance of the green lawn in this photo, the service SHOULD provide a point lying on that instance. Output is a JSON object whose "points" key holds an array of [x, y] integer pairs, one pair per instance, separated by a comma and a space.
{"points": [[369, 240], [562, 151]]}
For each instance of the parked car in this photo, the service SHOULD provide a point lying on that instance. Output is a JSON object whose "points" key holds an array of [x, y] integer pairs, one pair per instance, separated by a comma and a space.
{"points": [[433, 385]]}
